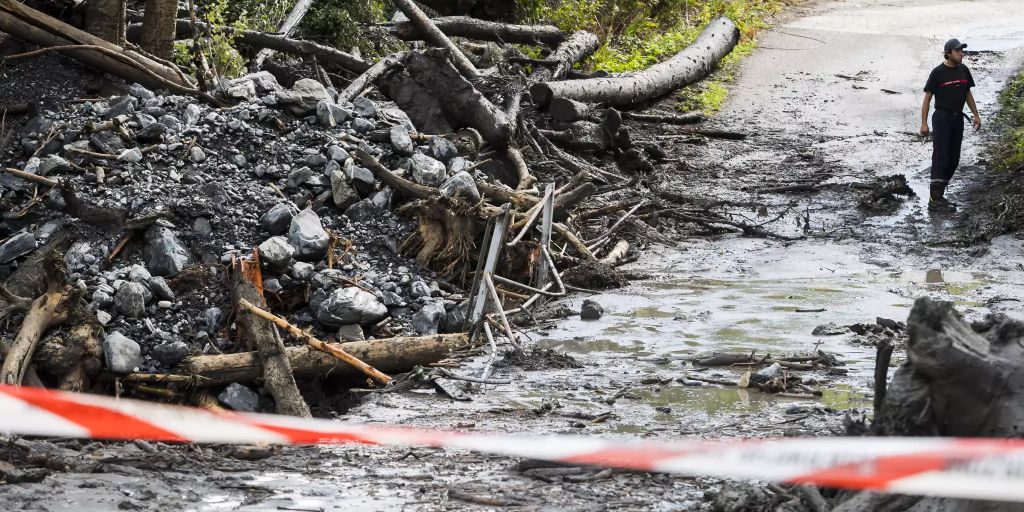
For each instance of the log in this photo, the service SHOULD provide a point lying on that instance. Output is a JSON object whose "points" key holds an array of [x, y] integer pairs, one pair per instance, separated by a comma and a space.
{"points": [[392, 355], [580, 45], [35, 27], [262, 335], [689, 65], [47, 311], [617, 253], [434, 36], [473, 28], [74, 358], [463, 104], [324, 54], [568, 110], [288, 26], [369, 77], [401, 185]]}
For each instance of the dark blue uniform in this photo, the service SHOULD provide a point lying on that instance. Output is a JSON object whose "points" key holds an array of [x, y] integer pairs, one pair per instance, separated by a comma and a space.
{"points": [[949, 86]]}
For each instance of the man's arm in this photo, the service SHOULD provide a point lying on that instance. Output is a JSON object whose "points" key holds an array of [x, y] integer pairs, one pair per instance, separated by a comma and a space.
{"points": [[974, 110], [924, 112]]}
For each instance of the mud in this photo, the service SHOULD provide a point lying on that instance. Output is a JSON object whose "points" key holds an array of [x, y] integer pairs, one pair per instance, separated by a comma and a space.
{"points": [[812, 99]]}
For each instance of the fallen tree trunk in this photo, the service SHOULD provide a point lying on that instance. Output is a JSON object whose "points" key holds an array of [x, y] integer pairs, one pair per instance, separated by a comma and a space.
{"points": [[392, 355], [262, 335], [580, 45], [689, 65], [434, 36], [287, 28], [48, 310], [356, 87], [35, 27], [324, 54], [472, 28], [74, 358]]}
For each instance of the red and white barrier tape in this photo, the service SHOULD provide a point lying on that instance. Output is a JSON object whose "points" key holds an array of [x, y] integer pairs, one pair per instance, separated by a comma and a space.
{"points": [[991, 469]]}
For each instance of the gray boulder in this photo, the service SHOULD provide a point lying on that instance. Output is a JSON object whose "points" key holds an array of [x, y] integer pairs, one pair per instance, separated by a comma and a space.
{"points": [[122, 354], [362, 211], [363, 125], [141, 92], [364, 107], [172, 353], [401, 140], [461, 185], [160, 288], [324, 116], [262, 81], [130, 299], [307, 236], [337, 153], [239, 398], [303, 96], [342, 193], [276, 252], [427, 171], [428, 318], [591, 310], [164, 254], [443, 149], [351, 332], [278, 218], [350, 306]]}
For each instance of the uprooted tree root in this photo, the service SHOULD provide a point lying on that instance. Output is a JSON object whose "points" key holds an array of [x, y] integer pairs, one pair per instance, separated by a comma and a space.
{"points": [[447, 235]]}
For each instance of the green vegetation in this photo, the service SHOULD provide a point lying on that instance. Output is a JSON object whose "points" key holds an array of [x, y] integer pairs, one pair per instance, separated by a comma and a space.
{"points": [[1009, 151]]}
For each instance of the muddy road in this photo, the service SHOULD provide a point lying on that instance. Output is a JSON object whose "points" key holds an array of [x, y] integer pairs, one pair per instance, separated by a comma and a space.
{"points": [[831, 97]]}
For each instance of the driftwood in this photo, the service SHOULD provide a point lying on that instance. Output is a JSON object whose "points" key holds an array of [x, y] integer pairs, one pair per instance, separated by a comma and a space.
{"points": [[35, 27], [568, 110], [689, 65], [392, 355], [47, 311], [288, 26], [472, 28], [399, 184], [580, 45], [356, 87], [262, 335], [434, 36], [74, 358]]}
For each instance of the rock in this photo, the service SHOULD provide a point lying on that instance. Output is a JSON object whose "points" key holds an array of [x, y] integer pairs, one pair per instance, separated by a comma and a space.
{"points": [[382, 199], [133, 155], [342, 193], [302, 270], [197, 155], [307, 236], [401, 141], [214, 317], [324, 115], [303, 96], [443, 149], [337, 154], [276, 252], [141, 92], [351, 332], [239, 398], [591, 310], [339, 113], [364, 107], [16, 246], [397, 114], [427, 171], [299, 176], [139, 274], [830, 329], [392, 299], [419, 288], [121, 107], [360, 178], [172, 123], [103, 317], [362, 211], [202, 226], [459, 164], [130, 299], [106, 141], [362, 125], [164, 254], [454, 319], [428, 318], [122, 354], [278, 218], [102, 298], [315, 160], [151, 133], [349, 306], [52, 164], [160, 288], [245, 90], [271, 285], [191, 114], [461, 185], [263, 82], [239, 159], [170, 354]]}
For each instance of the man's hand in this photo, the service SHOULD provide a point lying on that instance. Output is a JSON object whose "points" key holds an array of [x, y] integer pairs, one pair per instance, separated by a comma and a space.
{"points": [[976, 122], [924, 129]]}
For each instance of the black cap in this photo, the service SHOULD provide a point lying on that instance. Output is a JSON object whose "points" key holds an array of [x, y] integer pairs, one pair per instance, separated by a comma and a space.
{"points": [[953, 44]]}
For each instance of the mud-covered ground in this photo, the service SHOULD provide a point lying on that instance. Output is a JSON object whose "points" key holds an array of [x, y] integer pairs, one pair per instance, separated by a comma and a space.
{"points": [[831, 98]]}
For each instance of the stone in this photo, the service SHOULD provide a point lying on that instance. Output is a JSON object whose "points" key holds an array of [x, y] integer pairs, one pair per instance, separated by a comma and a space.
{"points": [[197, 155], [160, 288], [302, 270], [315, 160], [239, 398], [350, 306], [427, 320], [140, 92], [164, 254], [172, 353], [401, 140], [392, 299], [459, 164], [307, 236], [123, 106], [106, 141], [271, 285], [133, 155], [130, 299], [299, 176], [363, 125], [360, 178], [341, 192], [351, 332], [191, 114], [382, 199], [362, 211], [324, 116], [428, 171], [303, 96], [443, 149], [202, 226], [339, 113], [172, 123], [239, 160], [17, 246], [245, 90], [337, 154], [591, 310], [51, 164], [214, 317], [364, 107], [102, 298], [278, 218], [397, 114], [123, 355], [276, 252], [139, 274], [151, 133], [262, 81], [454, 319], [419, 288], [461, 185], [103, 317]]}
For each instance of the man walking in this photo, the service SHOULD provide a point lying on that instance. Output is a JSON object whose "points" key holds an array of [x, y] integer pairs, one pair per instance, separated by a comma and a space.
{"points": [[950, 83]]}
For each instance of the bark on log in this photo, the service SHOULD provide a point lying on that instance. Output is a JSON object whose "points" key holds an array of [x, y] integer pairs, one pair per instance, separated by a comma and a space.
{"points": [[393, 355], [463, 105], [689, 65], [472, 28], [580, 45], [287, 28], [48, 310], [106, 19], [38, 28], [74, 358], [158, 34], [368, 77], [262, 335], [569, 111], [324, 54], [434, 36]]}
